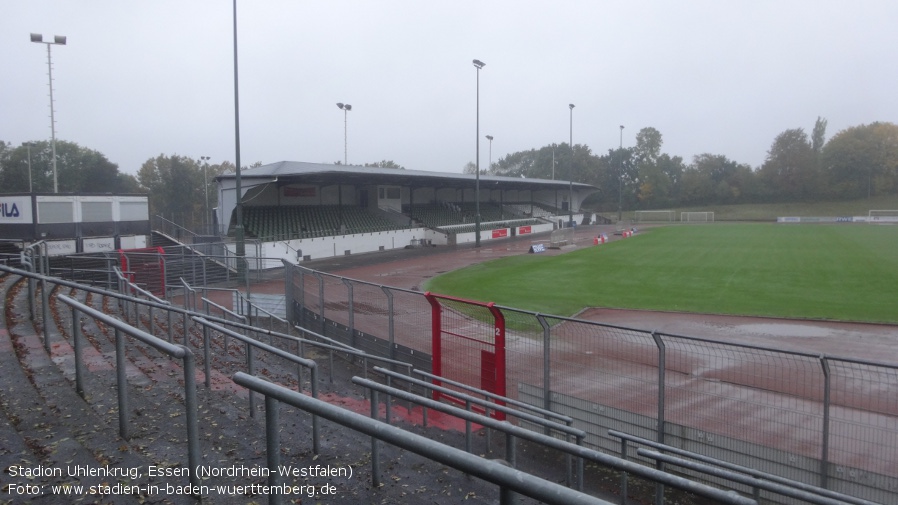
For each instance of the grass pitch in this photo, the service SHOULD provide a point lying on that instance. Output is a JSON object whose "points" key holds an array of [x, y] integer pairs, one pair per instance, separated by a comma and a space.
{"points": [[839, 272]]}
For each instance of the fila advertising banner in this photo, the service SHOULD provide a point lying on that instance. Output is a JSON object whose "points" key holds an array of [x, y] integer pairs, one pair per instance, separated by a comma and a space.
{"points": [[15, 210]]}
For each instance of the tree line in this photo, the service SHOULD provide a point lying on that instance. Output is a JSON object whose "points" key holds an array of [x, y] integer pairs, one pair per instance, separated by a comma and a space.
{"points": [[177, 185], [857, 162], [860, 161]]}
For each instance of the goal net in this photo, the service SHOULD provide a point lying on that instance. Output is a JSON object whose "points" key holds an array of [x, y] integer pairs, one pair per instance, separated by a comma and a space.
{"points": [[655, 216], [561, 237], [886, 216], [697, 217]]}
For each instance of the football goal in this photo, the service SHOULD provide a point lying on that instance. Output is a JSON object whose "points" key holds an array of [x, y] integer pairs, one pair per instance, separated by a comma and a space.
{"points": [[883, 213], [562, 237], [655, 216], [697, 217]]}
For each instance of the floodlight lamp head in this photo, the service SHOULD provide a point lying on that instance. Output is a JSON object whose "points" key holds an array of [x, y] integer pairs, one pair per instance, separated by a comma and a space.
{"points": [[37, 37], [347, 107], [479, 64], [571, 106], [621, 127], [489, 137], [340, 105], [59, 39]]}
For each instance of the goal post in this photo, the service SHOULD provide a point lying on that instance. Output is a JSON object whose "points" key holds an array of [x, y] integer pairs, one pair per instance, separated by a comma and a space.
{"points": [[882, 216], [655, 216], [697, 217], [883, 213], [561, 237]]}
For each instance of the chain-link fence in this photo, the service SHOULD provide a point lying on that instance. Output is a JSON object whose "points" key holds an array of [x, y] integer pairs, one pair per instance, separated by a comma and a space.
{"points": [[825, 421]]}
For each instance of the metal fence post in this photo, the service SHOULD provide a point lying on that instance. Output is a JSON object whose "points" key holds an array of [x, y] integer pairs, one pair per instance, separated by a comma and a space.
{"points": [[349, 293], [824, 443], [191, 406], [321, 298], [272, 446], [121, 384], [391, 330], [76, 342], [662, 366], [547, 367]]}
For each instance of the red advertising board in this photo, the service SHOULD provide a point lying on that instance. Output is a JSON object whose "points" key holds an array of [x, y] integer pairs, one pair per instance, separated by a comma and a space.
{"points": [[524, 230], [500, 233]]}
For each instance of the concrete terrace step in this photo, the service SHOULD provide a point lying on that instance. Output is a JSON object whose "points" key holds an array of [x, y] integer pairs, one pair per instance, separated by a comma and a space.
{"points": [[46, 423], [74, 432]]}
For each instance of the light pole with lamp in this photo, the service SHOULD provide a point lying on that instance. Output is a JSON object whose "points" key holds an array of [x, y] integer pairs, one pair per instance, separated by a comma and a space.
{"points": [[60, 41], [346, 108], [478, 64], [205, 160], [620, 176], [570, 206], [239, 232]]}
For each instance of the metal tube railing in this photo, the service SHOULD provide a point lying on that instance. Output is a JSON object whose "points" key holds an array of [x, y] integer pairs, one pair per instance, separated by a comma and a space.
{"points": [[741, 469], [490, 471], [307, 363], [177, 351], [756, 484], [566, 429], [727, 497]]}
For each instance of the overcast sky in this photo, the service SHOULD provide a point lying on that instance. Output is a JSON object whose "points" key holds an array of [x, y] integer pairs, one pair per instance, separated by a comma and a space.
{"points": [[140, 78]]}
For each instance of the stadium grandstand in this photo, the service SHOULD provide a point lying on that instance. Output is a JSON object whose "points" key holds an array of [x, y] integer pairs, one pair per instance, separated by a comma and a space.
{"points": [[321, 210]]}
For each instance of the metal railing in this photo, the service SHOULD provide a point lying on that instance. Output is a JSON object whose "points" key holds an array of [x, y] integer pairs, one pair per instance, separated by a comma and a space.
{"points": [[509, 479], [176, 351], [836, 417], [550, 426], [749, 472], [513, 432]]}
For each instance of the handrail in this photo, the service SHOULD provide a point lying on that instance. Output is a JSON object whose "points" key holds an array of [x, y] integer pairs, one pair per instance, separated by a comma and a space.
{"points": [[728, 497], [510, 401], [307, 363], [490, 471], [178, 351], [756, 484], [741, 469]]}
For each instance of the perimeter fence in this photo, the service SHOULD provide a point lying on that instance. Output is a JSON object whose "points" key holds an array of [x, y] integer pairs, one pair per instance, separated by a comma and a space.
{"points": [[827, 421]]}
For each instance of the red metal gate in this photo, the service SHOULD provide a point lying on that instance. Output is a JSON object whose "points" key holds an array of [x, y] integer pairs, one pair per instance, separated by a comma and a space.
{"points": [[468, 345]]}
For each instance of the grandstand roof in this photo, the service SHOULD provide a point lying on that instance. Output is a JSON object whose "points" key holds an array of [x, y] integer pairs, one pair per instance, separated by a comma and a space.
{"points": [[325, 173]]}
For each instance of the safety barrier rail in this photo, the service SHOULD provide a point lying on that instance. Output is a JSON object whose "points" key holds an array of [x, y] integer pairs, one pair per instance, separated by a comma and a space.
{"points": [[176, 351], [509, 479], [512, 432], [750, 472]]}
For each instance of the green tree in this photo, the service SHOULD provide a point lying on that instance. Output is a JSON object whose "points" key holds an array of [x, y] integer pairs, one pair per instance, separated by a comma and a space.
{"points": [[862, 161], [176, 188], [648, 146], [790, 170], [385, 164], [714, 178], [79, 169]]}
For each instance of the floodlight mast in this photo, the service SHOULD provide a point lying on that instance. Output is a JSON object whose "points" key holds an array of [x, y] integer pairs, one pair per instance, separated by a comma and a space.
{"points": [[346, 108], [478, 64], [570, 206], [58, 40]]}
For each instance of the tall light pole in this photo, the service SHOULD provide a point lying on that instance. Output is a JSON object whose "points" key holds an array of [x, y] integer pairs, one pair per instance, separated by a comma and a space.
{"points": [[490, 138], [28, 146], [478, 64], [60, 41], [346, 108], [238, 227], [620, 176], [570, 206], [205, 160]]}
